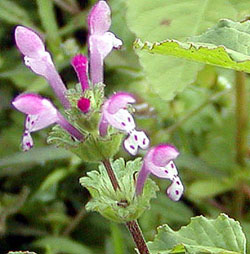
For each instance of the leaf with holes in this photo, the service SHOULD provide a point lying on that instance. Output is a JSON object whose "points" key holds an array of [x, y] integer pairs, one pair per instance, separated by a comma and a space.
{"points": [[226, 45], [176, 20]]}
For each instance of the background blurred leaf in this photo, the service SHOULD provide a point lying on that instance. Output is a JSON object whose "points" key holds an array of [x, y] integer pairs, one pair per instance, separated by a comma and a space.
{"points": [[34, 156], [62, 245]]}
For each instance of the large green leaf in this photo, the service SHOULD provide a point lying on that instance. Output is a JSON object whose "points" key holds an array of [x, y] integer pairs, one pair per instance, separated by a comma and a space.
{"points": [[225, 45], [220, 236], [176, 19]]}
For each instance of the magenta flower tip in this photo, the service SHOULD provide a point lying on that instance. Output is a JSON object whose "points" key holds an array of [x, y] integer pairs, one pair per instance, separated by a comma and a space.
{"points": [[84, 105], [80, 64], [164, 153], [118, 101]]}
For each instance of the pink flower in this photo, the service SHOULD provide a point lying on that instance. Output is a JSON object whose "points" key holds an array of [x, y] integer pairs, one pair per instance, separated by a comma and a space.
{"points": [[114, 113], [40, 114], [101, 42], [39, 60], [80, 64], [159, 162]]}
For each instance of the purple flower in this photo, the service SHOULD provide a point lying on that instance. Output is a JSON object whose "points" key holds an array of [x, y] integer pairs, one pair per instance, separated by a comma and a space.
{"points": [[40, 114], [80, 64], [39, 60], [159, 162], [114, 113], [101, 42]]}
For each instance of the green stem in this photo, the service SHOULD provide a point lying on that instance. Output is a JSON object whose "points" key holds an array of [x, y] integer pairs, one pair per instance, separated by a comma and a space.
{"points": [[240, 138], [192, 113], [117, 238], [48, 19]]}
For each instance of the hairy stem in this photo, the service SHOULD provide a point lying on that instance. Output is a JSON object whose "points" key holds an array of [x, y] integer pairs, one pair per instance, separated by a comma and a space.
{"points": [[132, 226], [136, 233], [111, 174], [240, 138]]}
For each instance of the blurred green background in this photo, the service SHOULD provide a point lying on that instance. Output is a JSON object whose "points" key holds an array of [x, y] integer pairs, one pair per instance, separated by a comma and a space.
{"points": [[191, 105]]}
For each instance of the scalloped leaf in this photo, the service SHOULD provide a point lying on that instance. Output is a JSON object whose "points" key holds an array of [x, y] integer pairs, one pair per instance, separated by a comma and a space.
{"points": [[222, 235], [226, 45], [167, 19]]}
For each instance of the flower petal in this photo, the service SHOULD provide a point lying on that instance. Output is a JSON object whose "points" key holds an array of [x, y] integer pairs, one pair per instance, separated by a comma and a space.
{"points": [[28, 42], [130, 145], [135, 140], [32, 104], [80, 64], [121, 120], [142, 177], [96, 61], [103, 126], [163, 154], [99, 20], [27, 141], [119, 101], [176, 189]]}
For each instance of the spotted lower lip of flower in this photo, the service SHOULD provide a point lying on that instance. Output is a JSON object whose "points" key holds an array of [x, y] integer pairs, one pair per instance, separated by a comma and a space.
{"points": [[114, 113], [159, 162], [101, 41], [39, 60], [40, 114]]}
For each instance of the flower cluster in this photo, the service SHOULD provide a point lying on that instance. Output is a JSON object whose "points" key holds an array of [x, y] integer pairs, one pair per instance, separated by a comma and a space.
{"points": [[114, 112]]}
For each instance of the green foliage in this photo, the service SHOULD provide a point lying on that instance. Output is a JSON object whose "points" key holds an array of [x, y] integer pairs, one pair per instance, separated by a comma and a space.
{"points": [[121, 205], [224, 45], [222, 235], [41, 200], [161, 19]]}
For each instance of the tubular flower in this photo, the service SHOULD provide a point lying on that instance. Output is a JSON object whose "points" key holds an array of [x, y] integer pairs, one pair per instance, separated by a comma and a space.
{"points": [[159, 162], [114, 113], [80, 64], [39, 60], [101, 42], [40, 114]]}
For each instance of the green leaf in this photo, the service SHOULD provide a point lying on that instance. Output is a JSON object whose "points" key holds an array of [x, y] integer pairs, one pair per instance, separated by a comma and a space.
{"points": [[219, 236], [225, 45], [176, 19], [62, 245], [120, 205]]}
